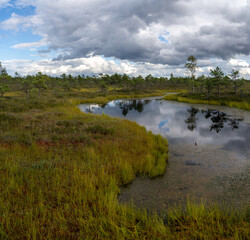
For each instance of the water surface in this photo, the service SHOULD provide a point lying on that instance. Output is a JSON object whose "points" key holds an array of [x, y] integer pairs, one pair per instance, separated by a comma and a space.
{"points": [[209, 152]]}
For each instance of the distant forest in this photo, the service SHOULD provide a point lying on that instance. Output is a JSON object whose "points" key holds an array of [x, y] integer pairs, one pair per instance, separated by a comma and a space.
{"points": [[216, 83]]}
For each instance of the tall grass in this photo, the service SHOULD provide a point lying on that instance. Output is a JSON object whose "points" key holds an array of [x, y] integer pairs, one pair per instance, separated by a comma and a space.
{"points": [[201, 222], [60, 173]]}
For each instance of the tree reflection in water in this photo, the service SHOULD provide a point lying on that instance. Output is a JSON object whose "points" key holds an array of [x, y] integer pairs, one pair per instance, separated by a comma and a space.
{"points": [[235, 123], [129, 105], [191, 119], [182, 123], [218, 119]]}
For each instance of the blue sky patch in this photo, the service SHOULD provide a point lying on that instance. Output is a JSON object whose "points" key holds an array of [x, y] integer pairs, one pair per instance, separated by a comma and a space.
{"points": [[162, 126], [163, 36], [6, 12], [162, 123], [9, 38]]}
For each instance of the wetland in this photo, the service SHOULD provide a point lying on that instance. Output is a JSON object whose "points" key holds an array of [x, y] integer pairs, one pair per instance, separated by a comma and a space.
{"points": [[208, 152]]}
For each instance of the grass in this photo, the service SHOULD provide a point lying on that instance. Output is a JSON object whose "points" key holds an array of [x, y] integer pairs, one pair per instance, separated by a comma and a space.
{"points": [[200, 222], [230, 101], [102, 98], [60, 173]]}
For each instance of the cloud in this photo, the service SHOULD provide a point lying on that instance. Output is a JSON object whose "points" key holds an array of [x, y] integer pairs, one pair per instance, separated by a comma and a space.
{"points": [[99, 64], [130, 30], [87, 66], [96, 65], [38, 44], [238, 63], [154, 34], [25, 3], [17, 22], [4, 3], [245, 71], [44, 51]]}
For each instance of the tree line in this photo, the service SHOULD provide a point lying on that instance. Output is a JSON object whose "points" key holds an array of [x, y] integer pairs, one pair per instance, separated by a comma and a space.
{"points": [[35, 84], [217, 79]]}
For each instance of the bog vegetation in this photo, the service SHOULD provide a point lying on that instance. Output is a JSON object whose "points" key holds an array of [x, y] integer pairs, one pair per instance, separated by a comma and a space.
{"points": [[60, 169]]}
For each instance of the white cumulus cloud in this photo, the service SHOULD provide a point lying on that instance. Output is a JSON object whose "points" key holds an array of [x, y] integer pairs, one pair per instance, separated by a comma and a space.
{"points": [[238, 63]]}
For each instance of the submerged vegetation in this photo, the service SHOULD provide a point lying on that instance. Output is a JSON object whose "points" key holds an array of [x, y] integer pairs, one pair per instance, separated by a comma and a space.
{"points": [[61, 169]]}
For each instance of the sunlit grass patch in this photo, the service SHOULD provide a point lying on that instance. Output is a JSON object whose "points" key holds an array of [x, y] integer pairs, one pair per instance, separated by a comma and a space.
{"points": [[13, 94], [89, 90], [221, 102]]}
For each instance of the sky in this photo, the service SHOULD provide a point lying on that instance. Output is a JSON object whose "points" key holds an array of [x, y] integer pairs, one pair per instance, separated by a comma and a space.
{"points": [[124, 36]]}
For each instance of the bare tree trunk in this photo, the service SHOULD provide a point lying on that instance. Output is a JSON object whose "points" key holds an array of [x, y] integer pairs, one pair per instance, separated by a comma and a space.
{"points": [[193, 83]]}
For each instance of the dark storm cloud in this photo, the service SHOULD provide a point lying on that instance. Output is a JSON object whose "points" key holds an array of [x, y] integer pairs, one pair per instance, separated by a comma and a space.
{"points": [[113, 30], [110, 28], [215, 41], [130, 29]]}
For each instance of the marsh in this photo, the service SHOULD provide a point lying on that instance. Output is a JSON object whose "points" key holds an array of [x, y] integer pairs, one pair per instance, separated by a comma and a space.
{"points": [[208, 152]]}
